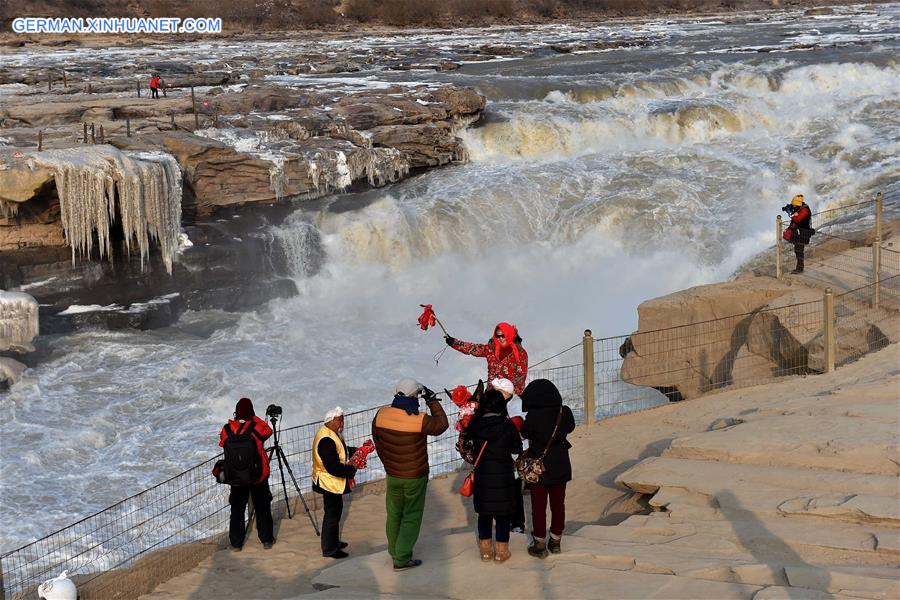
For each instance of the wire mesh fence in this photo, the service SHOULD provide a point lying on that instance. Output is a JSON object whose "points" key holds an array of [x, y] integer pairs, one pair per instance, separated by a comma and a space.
{"points": [[130, 547]]}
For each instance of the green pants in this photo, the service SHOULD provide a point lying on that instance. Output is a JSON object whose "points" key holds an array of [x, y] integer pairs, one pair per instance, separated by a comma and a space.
{"points": [[405, 502]]}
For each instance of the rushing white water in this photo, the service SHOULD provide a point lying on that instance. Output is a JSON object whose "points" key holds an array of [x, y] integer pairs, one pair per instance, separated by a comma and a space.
{"points": [[595, 182]]}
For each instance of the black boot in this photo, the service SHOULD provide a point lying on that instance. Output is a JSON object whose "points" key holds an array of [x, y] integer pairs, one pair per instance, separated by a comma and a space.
{"points": [[537, 548], [553, 545]]}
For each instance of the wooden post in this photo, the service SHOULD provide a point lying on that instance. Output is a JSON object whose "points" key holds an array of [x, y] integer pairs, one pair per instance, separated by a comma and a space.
{"points": [[830, 345], [90, 89], [174, 126], [65, 80], [194, 108], [587, 350], [102, 137], [93, 139], [139, 88], [85, 133], [40, 140], [127, 126], [879, 210], [778, 234], [49, 81], [876, 272]]}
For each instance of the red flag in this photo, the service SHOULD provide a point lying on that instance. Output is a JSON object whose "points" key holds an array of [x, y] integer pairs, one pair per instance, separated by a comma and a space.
{"points": [[427, 318]]}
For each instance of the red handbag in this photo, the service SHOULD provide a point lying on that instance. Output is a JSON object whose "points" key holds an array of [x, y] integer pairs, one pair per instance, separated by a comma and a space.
{"points": [[468, 485]]}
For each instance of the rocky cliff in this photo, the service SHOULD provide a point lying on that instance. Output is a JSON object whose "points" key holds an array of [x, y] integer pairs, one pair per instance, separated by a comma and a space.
{"points": [[105, 204]]}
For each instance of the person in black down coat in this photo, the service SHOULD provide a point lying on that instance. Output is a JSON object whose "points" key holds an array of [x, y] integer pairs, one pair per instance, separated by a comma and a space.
{"points": [[495, 485], [543, 405]]}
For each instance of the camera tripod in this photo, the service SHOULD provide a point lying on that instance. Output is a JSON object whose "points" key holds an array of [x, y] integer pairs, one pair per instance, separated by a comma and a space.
{"points": [[282, 463]]}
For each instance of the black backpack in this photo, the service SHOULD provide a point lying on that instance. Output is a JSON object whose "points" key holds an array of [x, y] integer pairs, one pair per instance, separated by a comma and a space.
{"points": [[242, 464]]}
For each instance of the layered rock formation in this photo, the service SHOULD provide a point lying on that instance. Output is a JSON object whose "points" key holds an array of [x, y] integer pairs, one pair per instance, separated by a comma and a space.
{"points": [[123, 201], [757, 328]]}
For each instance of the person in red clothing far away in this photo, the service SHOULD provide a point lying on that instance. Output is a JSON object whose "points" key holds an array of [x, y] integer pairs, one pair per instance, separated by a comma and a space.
{"points": [[247, 471], [800, 229], [154, 86], [506, 358]]}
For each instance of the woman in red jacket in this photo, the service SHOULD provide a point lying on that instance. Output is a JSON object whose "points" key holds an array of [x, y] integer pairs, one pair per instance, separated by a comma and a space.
{"points": [[246, 422], [505, 355]]}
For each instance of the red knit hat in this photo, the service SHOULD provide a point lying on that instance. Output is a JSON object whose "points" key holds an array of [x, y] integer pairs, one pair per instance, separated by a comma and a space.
{"points": [[244, 410], [510, 333]]}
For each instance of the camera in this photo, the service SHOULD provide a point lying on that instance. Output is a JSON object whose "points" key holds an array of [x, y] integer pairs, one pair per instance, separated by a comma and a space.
{"points": [[273, 410], [428, 395], [788, 209]]}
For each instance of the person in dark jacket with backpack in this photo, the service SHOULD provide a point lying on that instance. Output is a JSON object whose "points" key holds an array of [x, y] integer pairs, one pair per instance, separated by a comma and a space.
{"points": [[547, 423], [497, 441], [332, 477], [247, 471]]}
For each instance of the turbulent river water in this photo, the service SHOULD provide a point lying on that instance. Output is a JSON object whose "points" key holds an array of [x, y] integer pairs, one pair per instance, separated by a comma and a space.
{"points": [[596, 180]]}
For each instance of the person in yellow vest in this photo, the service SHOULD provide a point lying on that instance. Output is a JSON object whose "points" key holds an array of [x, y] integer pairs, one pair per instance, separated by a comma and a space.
{"points": [[331, 477]]}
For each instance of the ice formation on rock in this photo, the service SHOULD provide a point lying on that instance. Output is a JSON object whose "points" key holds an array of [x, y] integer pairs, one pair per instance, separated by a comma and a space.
{"points": [[147, 186], [18, 319]]}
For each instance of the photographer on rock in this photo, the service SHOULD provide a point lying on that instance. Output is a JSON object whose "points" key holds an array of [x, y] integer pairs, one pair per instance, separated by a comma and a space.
{"points": [[246, 470], [400, 432], [332, 477], [799, 231]]}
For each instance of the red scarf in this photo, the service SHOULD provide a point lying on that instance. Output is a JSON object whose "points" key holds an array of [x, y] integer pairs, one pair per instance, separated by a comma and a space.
{"points": [[510, 333]]}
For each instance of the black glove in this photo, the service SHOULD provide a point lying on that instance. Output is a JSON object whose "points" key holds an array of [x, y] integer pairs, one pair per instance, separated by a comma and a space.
{"points": [[450, 340], [429, 395]]}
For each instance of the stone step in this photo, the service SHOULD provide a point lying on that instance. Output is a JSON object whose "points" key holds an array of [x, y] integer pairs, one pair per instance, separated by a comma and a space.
{"points": [[849, 444], [764, 491], [751, 531]]}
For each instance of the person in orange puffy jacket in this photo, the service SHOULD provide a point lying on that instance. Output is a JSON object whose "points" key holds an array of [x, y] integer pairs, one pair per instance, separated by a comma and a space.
{"points": [[245, 420], [506, 358]]}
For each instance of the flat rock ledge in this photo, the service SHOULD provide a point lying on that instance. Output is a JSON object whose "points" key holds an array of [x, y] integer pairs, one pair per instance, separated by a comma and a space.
{"points": [[799, 502]]}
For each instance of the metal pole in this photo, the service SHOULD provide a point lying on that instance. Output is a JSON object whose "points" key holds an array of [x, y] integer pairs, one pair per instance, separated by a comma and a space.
{"points": [[127, 126], [879, 209], [778, 234], [587, 346], [93, 139], [138, 88], [876, 272], [84, 125], [194, 108], [102, 137], [49, 81], [830, 345]]}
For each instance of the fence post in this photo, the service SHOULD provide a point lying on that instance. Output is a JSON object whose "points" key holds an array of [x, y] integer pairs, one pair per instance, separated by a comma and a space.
{"points": [[127, 126], [879, 209], [876, 272], [138, 83], [40, 140], [778, 234], [84, 126], [587, 346], [194, 108], [828, 303]]}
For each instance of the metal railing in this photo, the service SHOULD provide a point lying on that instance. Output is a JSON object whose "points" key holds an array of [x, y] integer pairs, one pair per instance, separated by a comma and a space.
{"points": [[132, 546]]}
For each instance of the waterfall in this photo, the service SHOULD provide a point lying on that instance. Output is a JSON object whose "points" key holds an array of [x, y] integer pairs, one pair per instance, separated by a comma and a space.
{"points": [[148, 185]]}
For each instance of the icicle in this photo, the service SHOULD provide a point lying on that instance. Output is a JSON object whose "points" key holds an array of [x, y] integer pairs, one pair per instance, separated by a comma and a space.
{"points": [[8, 210], [18, 319], [148, 187]]}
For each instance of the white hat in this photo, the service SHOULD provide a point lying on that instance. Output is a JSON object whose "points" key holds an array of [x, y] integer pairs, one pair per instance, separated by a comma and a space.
{"points": [[409, 387], [58, 588], [503, 385], [334, 413]]}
